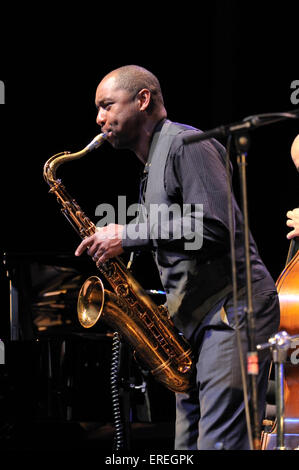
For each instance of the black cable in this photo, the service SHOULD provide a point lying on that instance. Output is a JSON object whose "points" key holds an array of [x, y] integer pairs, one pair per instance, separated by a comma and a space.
{"points": [[118, 442]]}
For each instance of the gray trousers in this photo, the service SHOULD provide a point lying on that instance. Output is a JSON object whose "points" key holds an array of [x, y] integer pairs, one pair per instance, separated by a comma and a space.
{"points": [[212, 414]]}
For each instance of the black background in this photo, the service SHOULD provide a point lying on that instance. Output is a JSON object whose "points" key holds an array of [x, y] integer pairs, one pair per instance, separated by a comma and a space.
{"points": [[217, 63]]}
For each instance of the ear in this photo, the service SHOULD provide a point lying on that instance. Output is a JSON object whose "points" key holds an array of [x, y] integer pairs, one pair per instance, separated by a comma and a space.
{"points": [[144, 98]]}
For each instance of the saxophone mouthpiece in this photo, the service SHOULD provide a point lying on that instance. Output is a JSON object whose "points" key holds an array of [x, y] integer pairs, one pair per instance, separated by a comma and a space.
{"points": [[96, 142]]}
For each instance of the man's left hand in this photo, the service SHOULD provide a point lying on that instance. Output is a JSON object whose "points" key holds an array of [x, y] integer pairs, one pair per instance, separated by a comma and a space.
{"points": [[293, 221]]}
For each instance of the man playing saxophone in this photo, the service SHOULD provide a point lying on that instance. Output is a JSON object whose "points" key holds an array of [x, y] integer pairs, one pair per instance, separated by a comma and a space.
{"points": [[197, 282]]}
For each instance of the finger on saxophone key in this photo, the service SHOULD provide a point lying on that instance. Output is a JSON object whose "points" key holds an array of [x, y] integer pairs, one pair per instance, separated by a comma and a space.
{"points": [[83, 246]]}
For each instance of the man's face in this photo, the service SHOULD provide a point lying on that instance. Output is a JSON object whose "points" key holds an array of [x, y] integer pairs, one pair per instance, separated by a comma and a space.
{"points": [[118, 114]]}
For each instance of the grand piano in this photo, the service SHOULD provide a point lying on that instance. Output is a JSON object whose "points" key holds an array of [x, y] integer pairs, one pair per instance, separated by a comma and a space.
{"points": [[55, 370]]}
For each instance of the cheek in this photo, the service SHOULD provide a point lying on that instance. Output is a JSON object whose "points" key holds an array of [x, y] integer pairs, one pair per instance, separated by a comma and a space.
{"points": [[120, 122], [124, 120], [130, 121]]}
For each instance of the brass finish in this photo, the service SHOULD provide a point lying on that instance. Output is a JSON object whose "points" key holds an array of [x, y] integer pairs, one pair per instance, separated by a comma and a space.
{"points": [[147, 327]]}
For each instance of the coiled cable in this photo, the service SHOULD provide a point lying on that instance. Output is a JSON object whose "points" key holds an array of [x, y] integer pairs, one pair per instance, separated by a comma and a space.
{"points": [[118, 442]]}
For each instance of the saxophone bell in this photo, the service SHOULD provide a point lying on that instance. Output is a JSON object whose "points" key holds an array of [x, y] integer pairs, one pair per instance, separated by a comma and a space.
{"points": [[96, 304], [90, 302]]}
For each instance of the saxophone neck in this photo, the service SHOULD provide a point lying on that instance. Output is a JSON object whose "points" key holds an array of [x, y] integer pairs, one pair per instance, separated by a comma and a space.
{"points": [[51, 166], [95, 143], [55, 161]]}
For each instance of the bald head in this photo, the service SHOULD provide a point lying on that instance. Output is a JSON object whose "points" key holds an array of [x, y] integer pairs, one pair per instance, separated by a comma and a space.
{"points": [[130, 105], [295, 152], [134, 78]]}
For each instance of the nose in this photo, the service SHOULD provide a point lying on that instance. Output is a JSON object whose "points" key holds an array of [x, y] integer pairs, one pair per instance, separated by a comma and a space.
{"points": [[101, 117]]}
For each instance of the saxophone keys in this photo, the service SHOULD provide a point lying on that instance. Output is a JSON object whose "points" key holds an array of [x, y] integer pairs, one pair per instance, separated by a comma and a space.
{"points": [[122, 290]]}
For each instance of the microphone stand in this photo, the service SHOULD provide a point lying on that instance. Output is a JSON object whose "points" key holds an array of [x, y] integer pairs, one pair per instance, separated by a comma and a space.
{"points": [[241, 139], [242, 145], [279, 344]]}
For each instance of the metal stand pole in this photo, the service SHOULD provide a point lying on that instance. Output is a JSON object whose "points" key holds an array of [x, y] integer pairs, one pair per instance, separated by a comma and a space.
{"points": [[279, 356], [242, 145]]}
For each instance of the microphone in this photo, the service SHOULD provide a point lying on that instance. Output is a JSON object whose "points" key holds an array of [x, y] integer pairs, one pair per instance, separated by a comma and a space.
{"points": [[246, 124], [220, 131]]}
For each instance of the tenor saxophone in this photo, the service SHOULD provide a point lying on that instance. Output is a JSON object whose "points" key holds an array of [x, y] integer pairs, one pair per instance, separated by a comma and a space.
{"points": [[128, 309]]}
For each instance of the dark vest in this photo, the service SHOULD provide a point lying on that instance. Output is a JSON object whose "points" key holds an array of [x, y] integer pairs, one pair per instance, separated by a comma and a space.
{"points": [[192, 288]]}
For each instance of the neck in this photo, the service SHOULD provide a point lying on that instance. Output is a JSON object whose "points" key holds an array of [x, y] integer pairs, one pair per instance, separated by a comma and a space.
{"points": [[143, 145]]}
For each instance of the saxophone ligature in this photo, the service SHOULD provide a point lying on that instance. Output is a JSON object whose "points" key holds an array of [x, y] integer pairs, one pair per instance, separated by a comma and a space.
{"points": [[128, 309]]}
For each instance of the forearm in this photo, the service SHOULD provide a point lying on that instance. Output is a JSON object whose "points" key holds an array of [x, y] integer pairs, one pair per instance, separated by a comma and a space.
{"points": [[184, 232]]}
